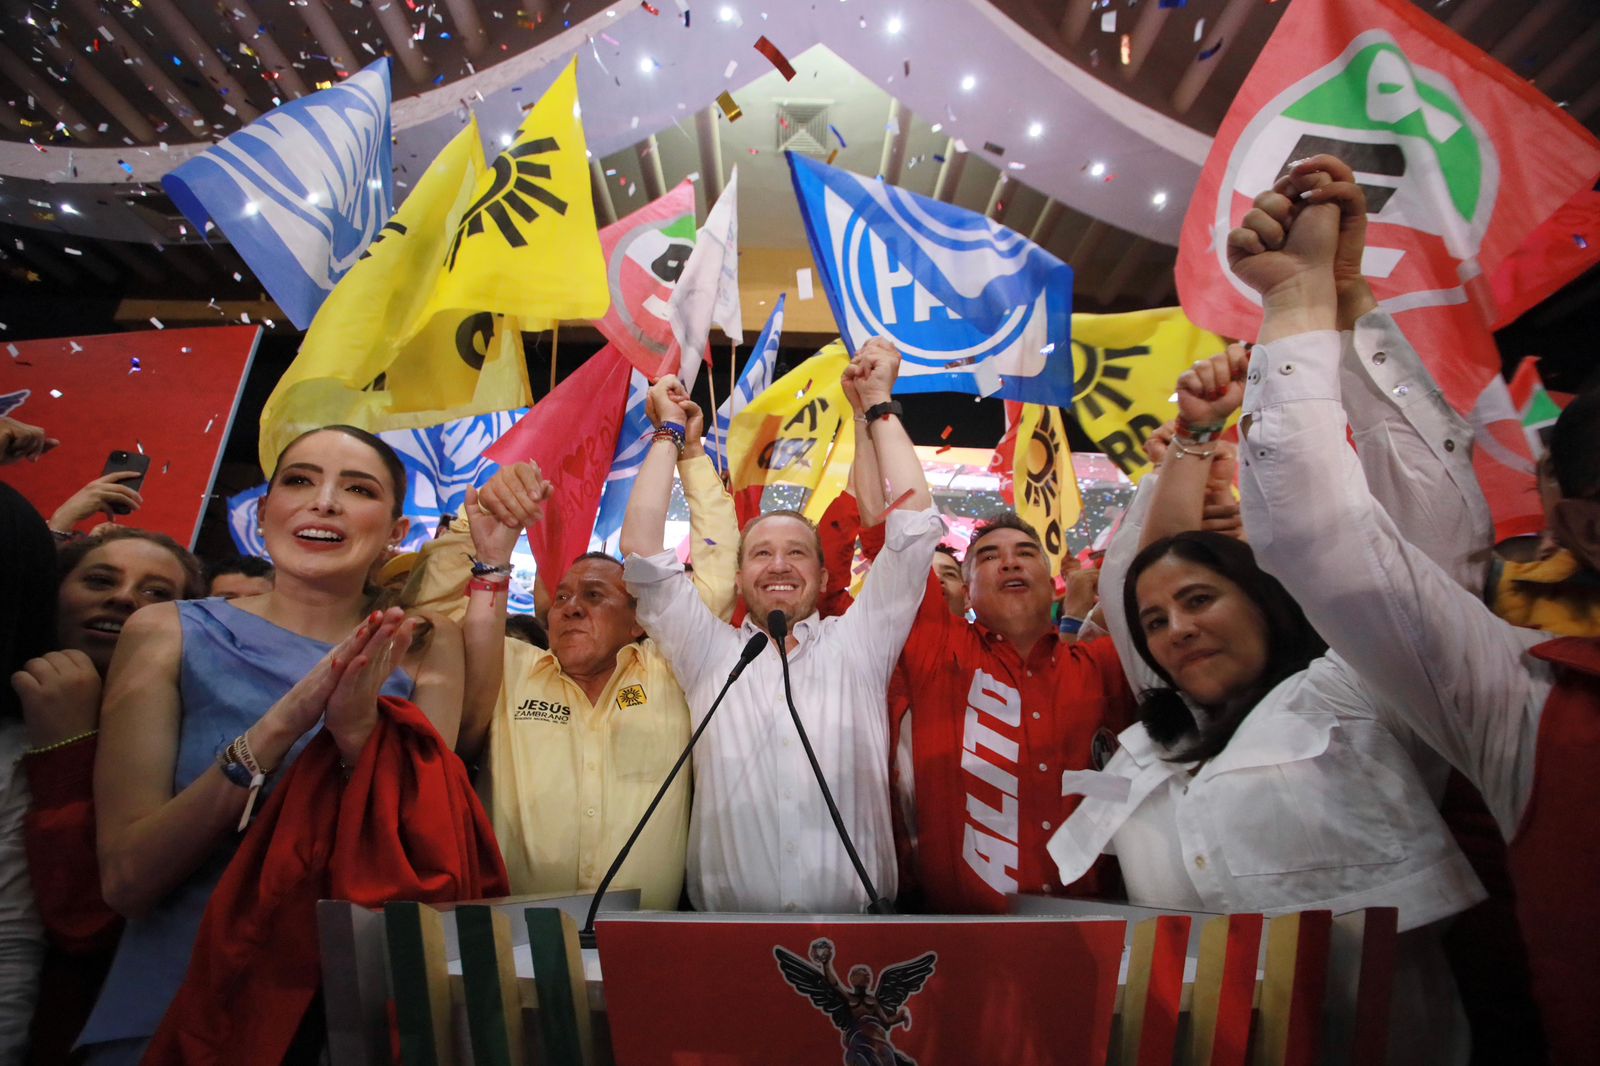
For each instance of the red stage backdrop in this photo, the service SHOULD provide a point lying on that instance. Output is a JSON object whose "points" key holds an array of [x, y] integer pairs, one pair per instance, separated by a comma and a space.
{"points": [[169, 393], [1023, 991]]}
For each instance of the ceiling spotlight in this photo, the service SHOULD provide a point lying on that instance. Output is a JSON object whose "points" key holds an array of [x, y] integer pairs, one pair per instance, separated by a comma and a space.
{"points": [[68, 209], [1035, 129], [894, 25], [724, 13], [968, 83], [505, 140], [1097, 170], [1159, 199]]}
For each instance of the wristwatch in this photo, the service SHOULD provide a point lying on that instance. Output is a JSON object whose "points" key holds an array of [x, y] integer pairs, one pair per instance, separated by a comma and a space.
{"points": [[881, 410]]}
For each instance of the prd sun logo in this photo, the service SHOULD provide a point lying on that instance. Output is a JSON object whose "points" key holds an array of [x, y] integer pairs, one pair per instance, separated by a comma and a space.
{"points": [[1429, 170], [513, 190]]}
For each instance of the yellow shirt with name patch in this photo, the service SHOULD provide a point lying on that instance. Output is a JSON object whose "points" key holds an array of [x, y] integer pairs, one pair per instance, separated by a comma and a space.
{"points": [[578, 776]]}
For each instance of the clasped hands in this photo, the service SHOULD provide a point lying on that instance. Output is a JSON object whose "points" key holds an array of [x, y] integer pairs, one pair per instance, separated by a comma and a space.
{"points": [[870, 376]]}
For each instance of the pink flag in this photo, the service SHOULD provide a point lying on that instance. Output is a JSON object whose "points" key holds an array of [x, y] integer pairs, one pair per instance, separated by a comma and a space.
{"points": [[571, 434]]}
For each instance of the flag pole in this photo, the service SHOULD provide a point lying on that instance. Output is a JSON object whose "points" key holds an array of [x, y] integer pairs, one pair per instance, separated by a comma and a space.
{"points": [[555, 344], [711, 384]]}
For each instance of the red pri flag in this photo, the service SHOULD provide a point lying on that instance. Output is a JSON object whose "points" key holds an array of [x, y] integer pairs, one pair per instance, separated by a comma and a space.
{"points": [[572, 435], [645, 255], [1461, 161]]}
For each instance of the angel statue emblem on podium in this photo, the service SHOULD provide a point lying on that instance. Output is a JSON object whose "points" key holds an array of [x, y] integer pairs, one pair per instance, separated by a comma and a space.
{"points": [[865, 1013]]}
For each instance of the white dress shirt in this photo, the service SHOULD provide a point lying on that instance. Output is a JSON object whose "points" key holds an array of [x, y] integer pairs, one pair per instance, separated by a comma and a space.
{"points": [[1316, 802], [760, 837], [1460, 677]]}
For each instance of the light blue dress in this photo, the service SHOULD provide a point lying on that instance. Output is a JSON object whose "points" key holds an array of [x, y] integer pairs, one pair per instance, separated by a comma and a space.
{"points": [[234, 667]]}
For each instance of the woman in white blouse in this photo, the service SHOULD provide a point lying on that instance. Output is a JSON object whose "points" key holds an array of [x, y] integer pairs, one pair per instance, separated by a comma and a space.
{"points": [[1263, 775]]}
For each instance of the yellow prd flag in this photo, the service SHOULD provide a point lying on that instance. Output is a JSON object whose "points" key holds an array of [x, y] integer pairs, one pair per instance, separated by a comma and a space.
{"points": [[786, 433], [1043, 480], [1126, 367], [371, 359], [527, 246]]}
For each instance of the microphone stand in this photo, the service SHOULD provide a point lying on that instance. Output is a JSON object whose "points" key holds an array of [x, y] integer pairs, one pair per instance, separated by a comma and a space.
{"points": [[753, 648], [778, 626]]}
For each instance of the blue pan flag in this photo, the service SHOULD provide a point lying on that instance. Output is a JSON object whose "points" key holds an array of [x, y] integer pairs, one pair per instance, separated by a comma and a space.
{"points": [[301, 191], [972, 306]]}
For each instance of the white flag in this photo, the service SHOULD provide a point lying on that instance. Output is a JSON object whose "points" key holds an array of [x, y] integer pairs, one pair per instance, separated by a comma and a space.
{"points": [[707, 293]]}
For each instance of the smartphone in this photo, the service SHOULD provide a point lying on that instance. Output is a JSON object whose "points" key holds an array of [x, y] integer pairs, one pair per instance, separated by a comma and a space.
{"points": [[119, 461]]}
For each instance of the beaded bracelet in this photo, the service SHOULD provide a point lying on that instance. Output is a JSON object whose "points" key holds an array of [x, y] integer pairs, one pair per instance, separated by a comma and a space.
{"points": [[670, 432], [58, 745]]}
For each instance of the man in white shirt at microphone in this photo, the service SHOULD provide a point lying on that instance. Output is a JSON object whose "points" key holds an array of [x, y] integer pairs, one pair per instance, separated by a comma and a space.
{"points": [[761, 837]]}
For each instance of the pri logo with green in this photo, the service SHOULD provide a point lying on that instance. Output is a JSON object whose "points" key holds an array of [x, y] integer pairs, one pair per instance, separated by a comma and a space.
{"points": [[1429, 171]]}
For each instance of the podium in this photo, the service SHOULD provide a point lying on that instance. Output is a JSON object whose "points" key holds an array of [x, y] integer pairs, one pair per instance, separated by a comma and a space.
{"points": [[1059, 982]]}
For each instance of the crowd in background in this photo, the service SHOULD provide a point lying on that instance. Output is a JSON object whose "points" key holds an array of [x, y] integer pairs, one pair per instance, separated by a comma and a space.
{"points": [[1302, 676]]}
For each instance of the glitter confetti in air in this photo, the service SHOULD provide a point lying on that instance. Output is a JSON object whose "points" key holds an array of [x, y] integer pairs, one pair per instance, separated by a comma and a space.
{"points": [[55, 394], [730, 108], [903, 499], [156, 322], [802, 282], [1580, 240], [947, 431], [137, 443], [134, 366], [835, 131], [1209, 52]]}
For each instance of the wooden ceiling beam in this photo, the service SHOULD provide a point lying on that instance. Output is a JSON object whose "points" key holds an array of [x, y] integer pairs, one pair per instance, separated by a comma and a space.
{"points": [[314, 13], [204, 57], [52, 102], [83, 71], [1075, 19], [251, 30], [708, 140], [1143, 38], [604, 209], [655, 183], [142, 67], [469, 27]]}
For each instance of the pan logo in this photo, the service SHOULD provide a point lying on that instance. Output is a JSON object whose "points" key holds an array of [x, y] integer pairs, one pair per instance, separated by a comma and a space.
{"points": [[891, 250], [1429, 172]]}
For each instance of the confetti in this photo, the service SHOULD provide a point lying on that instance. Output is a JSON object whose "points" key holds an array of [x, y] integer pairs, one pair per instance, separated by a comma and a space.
{"points": [[1580, 240], [134, 365], [775, 57], [75, 347], [55, 394], [733, 65], [729, 107], [991, 147], [1127, 48], [903, 499], [947, 431], [156, 322], [831, 156], [209, 423], [137, 443], [1108, 22], [1173, 3], [1209, 52], [650, 7], [835, 131], [802, 282], [1199, 30]]}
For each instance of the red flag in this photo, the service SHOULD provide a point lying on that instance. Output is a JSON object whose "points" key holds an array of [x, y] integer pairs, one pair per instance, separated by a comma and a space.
{"points": [[1461, 161], [1567, 244], [645, 254], [572, 435], [1003, 461]]}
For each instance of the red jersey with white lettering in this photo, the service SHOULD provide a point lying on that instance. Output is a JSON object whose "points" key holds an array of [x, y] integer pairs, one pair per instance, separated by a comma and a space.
{"points": [[991, 735]]}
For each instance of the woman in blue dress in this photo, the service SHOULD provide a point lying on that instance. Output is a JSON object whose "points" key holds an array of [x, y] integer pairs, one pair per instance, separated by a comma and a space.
{"points": [[207, 701]]}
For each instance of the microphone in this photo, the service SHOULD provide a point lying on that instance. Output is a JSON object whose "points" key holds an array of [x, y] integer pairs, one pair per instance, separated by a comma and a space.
{"points": [[778, 626], [753, 647]]}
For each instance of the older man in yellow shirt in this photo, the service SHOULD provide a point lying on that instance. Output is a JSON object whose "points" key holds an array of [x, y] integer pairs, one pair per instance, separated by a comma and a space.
{"points": [[573, 742]]}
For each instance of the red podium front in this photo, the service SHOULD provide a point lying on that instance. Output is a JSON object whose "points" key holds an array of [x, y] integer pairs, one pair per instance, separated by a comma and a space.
{"points": [[720, 990]]}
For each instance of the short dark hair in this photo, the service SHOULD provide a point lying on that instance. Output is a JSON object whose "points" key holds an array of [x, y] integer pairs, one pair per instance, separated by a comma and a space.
{"points": [[1001, 520], [602, 556], [1575, 446], [946, 549], [1292, 643], [391, 459], [73, 552], [782, 512], [248, 565]]}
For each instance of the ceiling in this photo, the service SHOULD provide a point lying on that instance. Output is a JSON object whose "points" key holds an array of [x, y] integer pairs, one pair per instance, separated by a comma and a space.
{"points": [[97, 100]]}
